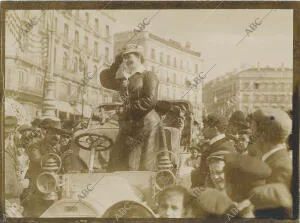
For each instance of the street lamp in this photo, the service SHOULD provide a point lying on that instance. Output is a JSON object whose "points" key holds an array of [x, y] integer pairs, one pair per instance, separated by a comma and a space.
{"points": [[48, 107]]}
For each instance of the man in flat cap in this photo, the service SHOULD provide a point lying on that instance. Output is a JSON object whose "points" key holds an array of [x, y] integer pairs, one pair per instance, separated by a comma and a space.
{"points": [[271, 128], [213, 130], [235, 175], [139, 90]]}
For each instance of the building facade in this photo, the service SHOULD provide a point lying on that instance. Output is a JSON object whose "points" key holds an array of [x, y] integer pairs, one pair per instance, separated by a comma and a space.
{"points": [[70, 46], [250, 89], [175, 65]]}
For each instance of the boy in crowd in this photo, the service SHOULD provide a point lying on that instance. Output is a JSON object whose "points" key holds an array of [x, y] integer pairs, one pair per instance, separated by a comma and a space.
{"points": [[174, 202]]}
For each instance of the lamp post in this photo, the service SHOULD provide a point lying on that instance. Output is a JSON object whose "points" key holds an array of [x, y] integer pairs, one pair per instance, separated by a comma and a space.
{"points": [[83, 90], [48, 107], [83, 61]]}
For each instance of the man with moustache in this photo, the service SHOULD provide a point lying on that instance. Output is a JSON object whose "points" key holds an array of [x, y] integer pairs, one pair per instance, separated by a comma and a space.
{"points": [[139, 90], [34, 204]]}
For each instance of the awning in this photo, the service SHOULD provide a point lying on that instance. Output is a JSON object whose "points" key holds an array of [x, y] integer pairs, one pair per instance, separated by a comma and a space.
{"points": [[63, 106], [16, 109]]}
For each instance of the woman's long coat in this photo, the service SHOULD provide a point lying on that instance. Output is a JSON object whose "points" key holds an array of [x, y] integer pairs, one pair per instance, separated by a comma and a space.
{"points": [[138, 139]]}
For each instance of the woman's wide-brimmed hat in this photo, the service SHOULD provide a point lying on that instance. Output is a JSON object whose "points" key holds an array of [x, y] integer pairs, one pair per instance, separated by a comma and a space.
{"points": [[133, 48]]}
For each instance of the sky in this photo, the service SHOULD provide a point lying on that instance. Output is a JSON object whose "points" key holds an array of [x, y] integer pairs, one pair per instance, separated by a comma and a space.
{"points": [[216, 35]]}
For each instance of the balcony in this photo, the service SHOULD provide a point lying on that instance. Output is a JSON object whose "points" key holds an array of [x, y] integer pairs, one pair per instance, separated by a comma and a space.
{"points": [[76, 48], [108, 39], [67, 42], [37, 91], [96, 58], [97, 33], [67, 13], [87, 26]]}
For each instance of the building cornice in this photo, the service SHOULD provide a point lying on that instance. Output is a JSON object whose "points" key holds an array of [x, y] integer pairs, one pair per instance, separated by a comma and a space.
{"points": [[174, 45], [109, 16]]}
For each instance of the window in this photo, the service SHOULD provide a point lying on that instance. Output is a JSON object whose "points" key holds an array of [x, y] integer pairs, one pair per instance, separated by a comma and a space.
{"points": [[95, 71], [107, 30], [97, 25], [174, 62], [161, 57], [86, 42], [105, 98], [77, 14], [256, 85], [38, 82], [106, 54], [168, 59], [75, 68], [65, 60], [174, 93], [246, 98], [87, 18], [23, 77], [272, 98], [168, 79], [246, 85], [54, 55], [196, 68], [96, 49], [66, 31], [174, 78], [76, 38], [181, 64], [55, 23], [152, 69], [153, 54]]}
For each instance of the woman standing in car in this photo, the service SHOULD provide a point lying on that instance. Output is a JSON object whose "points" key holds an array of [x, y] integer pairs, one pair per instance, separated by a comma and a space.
{"points": [[137, 141]]}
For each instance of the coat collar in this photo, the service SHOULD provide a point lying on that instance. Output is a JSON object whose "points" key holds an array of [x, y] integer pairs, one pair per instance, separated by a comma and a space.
{"points": [[216, 138], [272, 151], [122, 74], [139, 69]]}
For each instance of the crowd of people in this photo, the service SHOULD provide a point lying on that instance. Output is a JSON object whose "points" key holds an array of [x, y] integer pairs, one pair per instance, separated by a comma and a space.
{"points": [[25, 145], [242, 165]]}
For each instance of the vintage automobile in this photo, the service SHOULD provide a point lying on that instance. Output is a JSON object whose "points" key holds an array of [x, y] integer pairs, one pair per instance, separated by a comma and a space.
{"points": [[97, 193]]}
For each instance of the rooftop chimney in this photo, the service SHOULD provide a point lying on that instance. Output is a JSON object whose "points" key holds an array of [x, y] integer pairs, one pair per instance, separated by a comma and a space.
{"points": [[258, 66]]}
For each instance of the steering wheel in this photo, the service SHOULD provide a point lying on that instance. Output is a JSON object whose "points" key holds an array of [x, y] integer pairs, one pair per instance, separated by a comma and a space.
{"points": [[90, 140]]}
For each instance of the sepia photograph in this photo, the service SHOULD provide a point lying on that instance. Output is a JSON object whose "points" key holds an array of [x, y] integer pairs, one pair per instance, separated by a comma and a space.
{"points": [[149, 113]]}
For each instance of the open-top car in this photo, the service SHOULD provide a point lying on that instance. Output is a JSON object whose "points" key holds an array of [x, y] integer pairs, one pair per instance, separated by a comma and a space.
{"points": [[98, 193]]}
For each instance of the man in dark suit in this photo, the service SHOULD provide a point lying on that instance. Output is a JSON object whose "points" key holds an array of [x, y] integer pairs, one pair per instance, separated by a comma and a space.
{"points": [[213, 130], [272, 127]]}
